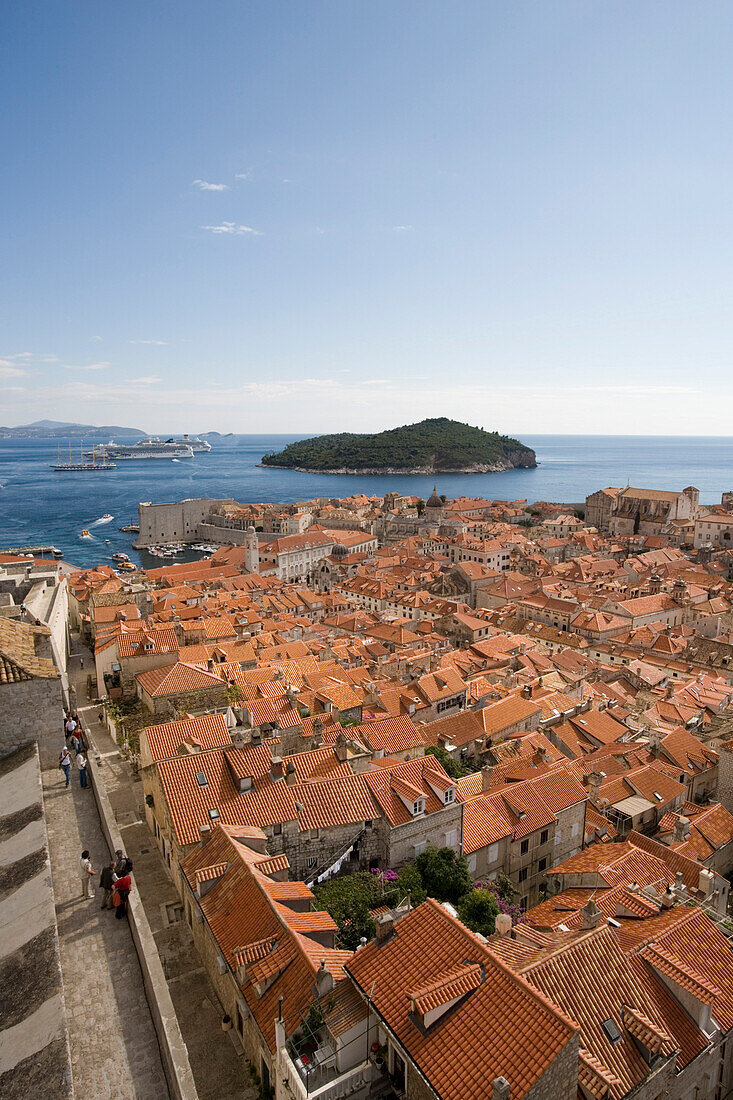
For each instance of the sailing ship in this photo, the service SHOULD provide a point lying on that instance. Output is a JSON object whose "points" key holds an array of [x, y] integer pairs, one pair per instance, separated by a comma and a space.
{"points": [[85, 464]]}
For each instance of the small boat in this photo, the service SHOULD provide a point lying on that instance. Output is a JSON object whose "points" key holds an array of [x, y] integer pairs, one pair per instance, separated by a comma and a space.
{"points": [[127, 566], [106, 542], [119, 556], [85, 534], [106, 518]]}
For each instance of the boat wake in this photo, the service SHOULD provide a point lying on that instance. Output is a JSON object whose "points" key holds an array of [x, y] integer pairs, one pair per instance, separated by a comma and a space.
{"points": [[106, 518]]}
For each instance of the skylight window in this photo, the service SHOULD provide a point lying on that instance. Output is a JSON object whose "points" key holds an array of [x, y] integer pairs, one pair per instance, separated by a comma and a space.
{"points": [[201, 779], [658, 796], [214, 815], [611, 1032]]}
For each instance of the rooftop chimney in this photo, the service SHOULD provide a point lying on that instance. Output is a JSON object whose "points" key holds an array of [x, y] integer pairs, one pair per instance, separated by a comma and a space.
{"points": [[385, 927], [486, 777], [500, 1089], [290, 777], [503, 924], [277, 769], [681, 829], [324, 980], [205, 834], [590, 915]]}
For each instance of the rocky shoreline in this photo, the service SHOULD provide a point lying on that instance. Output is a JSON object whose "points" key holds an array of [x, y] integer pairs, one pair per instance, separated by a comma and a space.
{"points": [[389, 471]]}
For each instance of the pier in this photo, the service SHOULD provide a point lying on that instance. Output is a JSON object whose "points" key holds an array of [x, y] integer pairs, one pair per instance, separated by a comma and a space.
{"points": [[35, 551]]}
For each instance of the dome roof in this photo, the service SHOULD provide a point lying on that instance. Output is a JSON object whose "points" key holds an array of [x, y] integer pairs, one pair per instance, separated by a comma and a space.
{"points": [[435, 501]]}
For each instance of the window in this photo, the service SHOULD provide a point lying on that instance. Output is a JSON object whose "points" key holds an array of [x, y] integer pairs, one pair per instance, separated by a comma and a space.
{"points": [[418, 807], [522, 874], [544, 836], [524, 847], [450, 796], [277, 829], [311, 862], [214, 814], [313, 834], [611, 1031], [201, 779], [541, 866]]}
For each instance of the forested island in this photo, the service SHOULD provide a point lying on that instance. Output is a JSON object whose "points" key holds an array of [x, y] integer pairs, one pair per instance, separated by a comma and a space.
{"points": [[431, 447]]}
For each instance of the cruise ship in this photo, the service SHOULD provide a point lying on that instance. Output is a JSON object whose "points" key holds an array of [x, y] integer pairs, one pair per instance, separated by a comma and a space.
{"points": [[149, 448]]}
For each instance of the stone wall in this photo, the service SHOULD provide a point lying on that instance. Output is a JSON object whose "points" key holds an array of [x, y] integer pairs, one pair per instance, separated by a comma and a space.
{"points": [[560, 1079], [725, 778], [176, 522], [32, 710], [429, 829]]}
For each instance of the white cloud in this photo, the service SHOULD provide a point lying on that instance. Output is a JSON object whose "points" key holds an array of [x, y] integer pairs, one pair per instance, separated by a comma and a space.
{"points": [[87, 366], [403, 228], [95, 339], [8, 370], [156, 343], [204, 185], [233, 229], [147, 379], [247, 175]]}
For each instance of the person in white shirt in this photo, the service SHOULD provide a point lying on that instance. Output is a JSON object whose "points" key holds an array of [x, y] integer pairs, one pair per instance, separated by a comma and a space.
{"points": [[86, 871], [81, 763], [65, 763]]}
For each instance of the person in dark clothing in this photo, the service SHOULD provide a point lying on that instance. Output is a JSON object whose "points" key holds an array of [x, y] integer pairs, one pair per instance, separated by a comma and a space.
{"points": [[122, 888], [120, 864], [107, 883]]}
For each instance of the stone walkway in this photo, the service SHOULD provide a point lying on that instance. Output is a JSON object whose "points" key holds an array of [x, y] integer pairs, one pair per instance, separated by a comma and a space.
{"points": [[114, 1048], [220, 1070]]}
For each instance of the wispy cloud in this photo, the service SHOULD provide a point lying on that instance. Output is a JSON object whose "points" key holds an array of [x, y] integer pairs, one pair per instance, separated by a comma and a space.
{"points": [[233, 229], [147, 379], [95, 339], [403, 228], [156, 343], [9, 370], [247, 175], [87, 366], [204, 185]]}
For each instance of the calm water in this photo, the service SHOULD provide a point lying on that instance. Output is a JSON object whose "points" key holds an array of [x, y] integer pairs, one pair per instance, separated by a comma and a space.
{"points": [[40, 506]]}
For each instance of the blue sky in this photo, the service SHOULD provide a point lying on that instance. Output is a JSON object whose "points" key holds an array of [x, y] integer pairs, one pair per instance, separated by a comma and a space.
{"points": [[316, 215]]}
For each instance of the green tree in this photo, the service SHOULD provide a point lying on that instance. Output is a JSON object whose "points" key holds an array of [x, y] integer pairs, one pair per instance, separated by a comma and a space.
{"points": [[454, 769], [504, 888], [349, 900], [479, 910], [444, 875], [409, 879]]}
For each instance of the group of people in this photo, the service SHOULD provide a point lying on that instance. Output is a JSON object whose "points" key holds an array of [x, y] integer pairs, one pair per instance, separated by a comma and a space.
{"points": [[73, 754], [115, 879]]}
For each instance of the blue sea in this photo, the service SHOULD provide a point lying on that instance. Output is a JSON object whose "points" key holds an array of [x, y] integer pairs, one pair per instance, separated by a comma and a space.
{"points": [[39, 506]]}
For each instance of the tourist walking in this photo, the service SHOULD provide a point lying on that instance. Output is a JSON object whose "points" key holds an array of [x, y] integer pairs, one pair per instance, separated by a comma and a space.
{"points": [[69, 726], [86, 871], [65, 763], [74, 743], [123, 864], [107, 883], [122, 892], [81, 763]]}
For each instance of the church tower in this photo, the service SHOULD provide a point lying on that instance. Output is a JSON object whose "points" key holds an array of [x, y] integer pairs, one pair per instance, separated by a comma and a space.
{"points": [[251, 551]]}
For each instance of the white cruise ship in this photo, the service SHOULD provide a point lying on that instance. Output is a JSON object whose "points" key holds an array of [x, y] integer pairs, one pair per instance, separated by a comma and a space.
{"points": [[147, 449]]}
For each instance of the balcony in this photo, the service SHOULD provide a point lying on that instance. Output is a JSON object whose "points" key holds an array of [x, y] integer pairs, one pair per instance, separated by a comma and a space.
{"points": [[317, 1077]]}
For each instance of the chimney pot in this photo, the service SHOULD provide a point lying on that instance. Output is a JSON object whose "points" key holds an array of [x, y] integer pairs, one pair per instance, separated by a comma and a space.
{"points": [[385, 927], [500, 1089], [205, 834], [503, 924]]}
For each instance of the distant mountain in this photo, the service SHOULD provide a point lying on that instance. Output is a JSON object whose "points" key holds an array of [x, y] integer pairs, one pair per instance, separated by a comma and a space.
{"points": [[62, 429], [431, 447]]}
